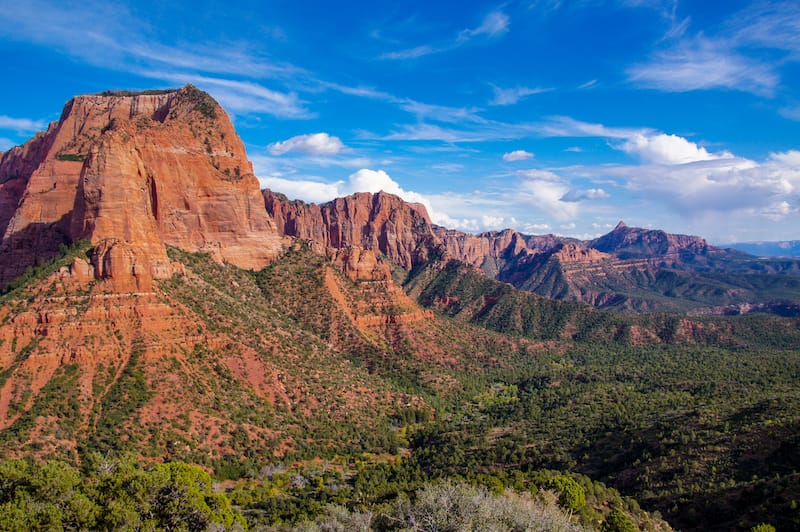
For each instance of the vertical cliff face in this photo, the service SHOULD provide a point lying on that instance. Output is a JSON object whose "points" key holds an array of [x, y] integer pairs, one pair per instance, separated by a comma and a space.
{"points": [[134, 172], [378, 222]]}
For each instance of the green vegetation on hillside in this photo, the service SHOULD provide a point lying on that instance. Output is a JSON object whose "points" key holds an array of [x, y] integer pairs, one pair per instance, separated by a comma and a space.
{"points": [[285, 392]]}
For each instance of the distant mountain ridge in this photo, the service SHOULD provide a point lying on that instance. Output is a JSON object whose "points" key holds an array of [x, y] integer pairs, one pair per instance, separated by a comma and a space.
{"points": [[629, 269]]}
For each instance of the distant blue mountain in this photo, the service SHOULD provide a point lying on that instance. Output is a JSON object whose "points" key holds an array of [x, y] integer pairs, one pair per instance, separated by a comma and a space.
{"points": [[788, 248]]}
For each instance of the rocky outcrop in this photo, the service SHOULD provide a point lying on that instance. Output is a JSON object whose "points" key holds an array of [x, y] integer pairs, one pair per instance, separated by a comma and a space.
{"points": [[133, 173], [361, 264], [379, 222], [570, 252]]}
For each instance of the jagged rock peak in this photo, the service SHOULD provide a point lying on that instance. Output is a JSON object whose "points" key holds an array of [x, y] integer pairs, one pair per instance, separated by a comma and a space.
{"points": [[621, 225], [140, 170]]}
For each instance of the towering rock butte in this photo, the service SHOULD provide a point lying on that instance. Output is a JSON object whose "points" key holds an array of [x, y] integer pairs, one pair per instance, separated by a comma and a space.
{"points": [[131, 173]]}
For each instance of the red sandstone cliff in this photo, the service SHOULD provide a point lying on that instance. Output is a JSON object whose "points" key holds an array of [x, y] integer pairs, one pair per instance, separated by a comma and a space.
{"points": [[379, 222], [132, 173]]}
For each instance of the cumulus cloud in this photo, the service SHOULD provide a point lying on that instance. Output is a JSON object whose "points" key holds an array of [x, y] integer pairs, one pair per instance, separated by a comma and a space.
{"points": [[517, 155], [311, 144], [733, 185], [668, 149]]}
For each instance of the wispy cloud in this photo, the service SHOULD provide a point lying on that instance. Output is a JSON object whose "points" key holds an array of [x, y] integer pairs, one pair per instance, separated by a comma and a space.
{"points": [[565, 126], [701, 64], [513, 95], [745, 53], [414, 53], [492, 26], [123, 42], [765, 24], [241, 95]]}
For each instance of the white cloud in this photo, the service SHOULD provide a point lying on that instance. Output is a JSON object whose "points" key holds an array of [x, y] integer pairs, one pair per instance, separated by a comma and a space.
{"points": [[668, 149], [304, 189], [310, 144], [545, 190], [513, 95], [736, 186], [530, 228], [21, 125], [517, 155], [789, 159]]}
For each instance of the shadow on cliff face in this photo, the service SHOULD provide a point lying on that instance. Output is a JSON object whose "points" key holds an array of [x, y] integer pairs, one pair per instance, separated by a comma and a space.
{"points": [[34, 245]]}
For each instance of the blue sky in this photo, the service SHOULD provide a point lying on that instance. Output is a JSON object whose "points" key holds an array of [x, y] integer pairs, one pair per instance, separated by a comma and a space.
{"points": [[548, 116]]}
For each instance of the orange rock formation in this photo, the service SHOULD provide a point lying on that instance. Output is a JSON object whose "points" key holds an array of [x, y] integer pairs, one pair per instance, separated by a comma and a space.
{"points": [[132, 173]]}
